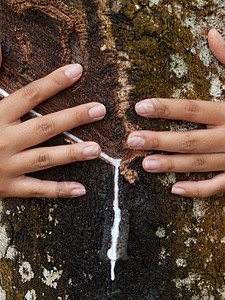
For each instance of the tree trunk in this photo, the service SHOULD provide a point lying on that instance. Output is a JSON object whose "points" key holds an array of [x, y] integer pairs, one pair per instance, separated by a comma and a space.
{"points": [[169, 247]]}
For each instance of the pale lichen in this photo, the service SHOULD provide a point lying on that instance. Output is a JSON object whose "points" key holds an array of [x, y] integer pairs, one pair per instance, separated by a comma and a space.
{"points": [[181, 262], [178, 65], [187, 282], [51, 277], [190, 241], [31, 295], [4, 241], [161, 233], [216, 88], [167, 179], [11, 253], [153, 2], [26, 272], [163, 255], [205, 55], [2, 294], [199, 208]]}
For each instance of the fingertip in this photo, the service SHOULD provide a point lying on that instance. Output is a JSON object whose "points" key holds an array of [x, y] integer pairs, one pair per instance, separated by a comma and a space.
{"points": [[135, 140], [217, 45], [151, 164], [144, 107], [73, 71], [178, 190], [213, 33], [92, 150], [71, 189], [78, 192], [192, 189], [144, 164]]}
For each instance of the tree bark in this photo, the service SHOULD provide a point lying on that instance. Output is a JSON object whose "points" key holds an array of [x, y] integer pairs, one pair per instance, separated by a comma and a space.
{"points": [[170, 247]]}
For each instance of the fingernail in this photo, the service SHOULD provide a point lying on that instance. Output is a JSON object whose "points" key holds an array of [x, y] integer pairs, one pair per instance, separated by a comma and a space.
{"points": [[135, 142], [74, 71], [78, 192], [97, 112], [151, 165], [218, 36], [91, 151], [144, 107], [178, 191]]}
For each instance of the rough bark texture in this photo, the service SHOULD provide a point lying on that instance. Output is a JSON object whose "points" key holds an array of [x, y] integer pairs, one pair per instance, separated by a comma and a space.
{"points": [[130, 50]]}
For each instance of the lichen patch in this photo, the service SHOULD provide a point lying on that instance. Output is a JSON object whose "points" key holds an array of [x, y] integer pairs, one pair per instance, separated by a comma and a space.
{"points": [[26, 272], [199, 208], [153, 2], [216, 88], [181, 262], [51, 277], [178, 65], [188, 281], [4, 241], [161, 233], [31, 295], [11, 252], [2, 294], [167, 179]]}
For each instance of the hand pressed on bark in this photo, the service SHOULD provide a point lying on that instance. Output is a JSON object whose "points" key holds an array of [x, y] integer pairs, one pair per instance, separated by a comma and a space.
{"points": [[16, 159], [203, 150]]}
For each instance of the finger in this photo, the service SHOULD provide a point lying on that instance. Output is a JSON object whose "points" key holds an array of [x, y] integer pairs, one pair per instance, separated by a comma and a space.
{"points": [[194, 141], [217, 45], [53, 124], [0, 55], [43, 158], [203, 188], [23, 100], [28, 187], [181, 163], [204, 112]]}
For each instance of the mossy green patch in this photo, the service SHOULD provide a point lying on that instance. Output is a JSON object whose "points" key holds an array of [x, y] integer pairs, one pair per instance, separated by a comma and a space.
{"points": [[151, 35]]}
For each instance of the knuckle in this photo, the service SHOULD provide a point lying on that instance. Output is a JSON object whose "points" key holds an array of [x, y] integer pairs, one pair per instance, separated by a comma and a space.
{"points": [[42, 160], [60, 189], [58, 78], [79, 117], [161, 110], [191, 107], [72, 154], [189, 144], [36, 192], [30, 91], [170, 165], [154, 144], [197, 192], [47, 126], [199, 164]]}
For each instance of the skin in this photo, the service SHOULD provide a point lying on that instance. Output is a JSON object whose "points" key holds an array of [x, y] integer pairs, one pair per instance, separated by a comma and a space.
{"points": [[16, 157], [200, 150]]}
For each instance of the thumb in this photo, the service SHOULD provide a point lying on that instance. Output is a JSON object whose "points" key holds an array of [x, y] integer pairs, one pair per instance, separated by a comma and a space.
{"points": [[217, 45]]}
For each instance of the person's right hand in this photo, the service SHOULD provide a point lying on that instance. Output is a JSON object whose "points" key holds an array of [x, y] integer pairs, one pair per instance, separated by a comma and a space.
{"points": [[201, 150], [16, 138]]}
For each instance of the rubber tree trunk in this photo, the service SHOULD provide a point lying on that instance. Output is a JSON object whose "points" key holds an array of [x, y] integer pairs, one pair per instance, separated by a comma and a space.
{"points": [[57, 249]]}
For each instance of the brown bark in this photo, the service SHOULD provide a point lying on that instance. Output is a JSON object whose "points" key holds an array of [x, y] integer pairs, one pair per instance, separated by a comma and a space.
{"points": [[130, 50]]}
